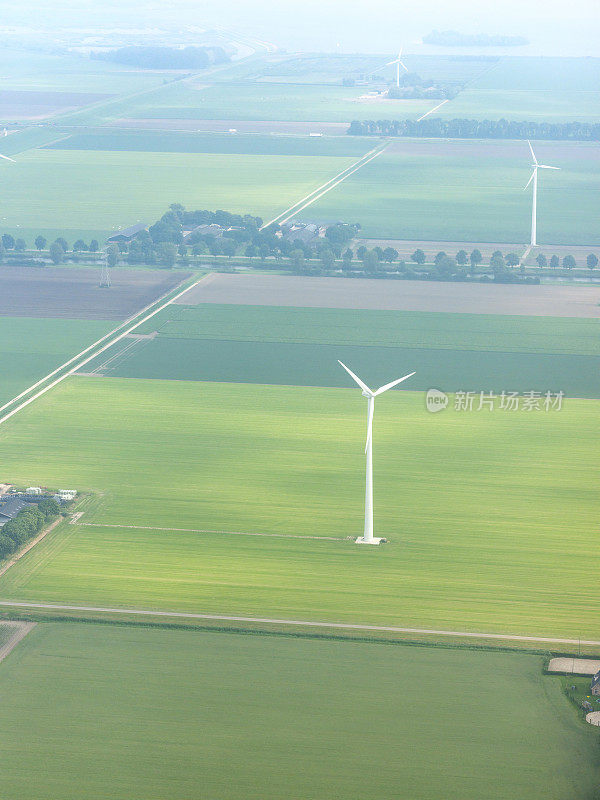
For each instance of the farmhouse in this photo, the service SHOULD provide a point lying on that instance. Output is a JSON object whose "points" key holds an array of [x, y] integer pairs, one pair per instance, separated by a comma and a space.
{"points": [[596, 684], [127, 235], [305, 232], [10, 508], [203, 230]]}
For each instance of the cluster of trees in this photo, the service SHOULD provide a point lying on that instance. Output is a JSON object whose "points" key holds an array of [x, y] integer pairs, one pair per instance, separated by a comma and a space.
{"points": [[57, 249], [15, 532], [456, 39], [413, 87], [434, 127], [165, 57], [240, 234]]}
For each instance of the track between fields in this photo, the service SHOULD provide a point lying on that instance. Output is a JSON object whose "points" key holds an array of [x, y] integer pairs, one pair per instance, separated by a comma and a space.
{"points": [[315, 195], [21, 631], [299, 623], [206, 530], [75, 363]]}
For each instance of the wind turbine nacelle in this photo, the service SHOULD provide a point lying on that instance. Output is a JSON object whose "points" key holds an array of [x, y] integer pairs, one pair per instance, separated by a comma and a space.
{"points": [[368, 395]]}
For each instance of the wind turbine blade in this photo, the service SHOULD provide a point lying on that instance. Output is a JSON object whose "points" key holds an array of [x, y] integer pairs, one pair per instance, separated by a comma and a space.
{"points": [[545, 166], [370, 423], [403, 65], [6, 158], [383, 389], [356, 378], [535, 161], [529, 181], [389, 63]]}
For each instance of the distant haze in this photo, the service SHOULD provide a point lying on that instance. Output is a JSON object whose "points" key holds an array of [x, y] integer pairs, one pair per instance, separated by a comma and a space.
{"points": [[554, 27]]}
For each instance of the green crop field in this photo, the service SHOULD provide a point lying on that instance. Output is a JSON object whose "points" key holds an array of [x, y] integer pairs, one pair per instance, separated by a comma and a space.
{"points": [[537, 89], [505, 333], [316, 365], [240, 144], [301, 346], [469, 191], [267, 101], [31, 348], [516, 104], [168, 713], [490, 516], [90, 193]]}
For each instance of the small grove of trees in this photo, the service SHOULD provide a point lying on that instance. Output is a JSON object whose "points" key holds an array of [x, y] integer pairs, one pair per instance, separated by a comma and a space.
{"points": [[15, 532]]}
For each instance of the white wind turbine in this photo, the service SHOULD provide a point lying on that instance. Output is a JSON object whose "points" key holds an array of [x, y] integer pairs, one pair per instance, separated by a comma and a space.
{"points": [[367, 537], [399, 63], [534, 177]]}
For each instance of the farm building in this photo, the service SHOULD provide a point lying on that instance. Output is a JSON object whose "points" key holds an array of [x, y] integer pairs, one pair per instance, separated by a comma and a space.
{"points": [[596, 684], [127, 235], [10, 508], [301, 231]]}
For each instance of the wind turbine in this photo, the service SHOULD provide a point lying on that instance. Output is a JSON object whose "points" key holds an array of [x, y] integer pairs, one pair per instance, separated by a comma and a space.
{"points": [[534, 177], [399, 63], [367, 537]]}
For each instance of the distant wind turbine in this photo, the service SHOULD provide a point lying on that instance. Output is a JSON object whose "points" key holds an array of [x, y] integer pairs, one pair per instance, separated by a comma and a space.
{"points": [[399, 63], [534, 177], [367, 537]]}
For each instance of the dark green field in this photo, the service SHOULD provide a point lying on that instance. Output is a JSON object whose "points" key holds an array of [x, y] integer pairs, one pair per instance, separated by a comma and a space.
{"points": [[95, 711], [241, 144], [301, 346]]}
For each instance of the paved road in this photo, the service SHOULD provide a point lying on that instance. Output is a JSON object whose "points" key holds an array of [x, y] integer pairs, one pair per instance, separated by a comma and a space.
{"points": [[299, 623]]}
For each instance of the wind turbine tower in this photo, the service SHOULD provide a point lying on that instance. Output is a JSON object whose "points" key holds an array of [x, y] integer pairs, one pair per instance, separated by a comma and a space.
{"points": [[367, 537], [534, 177], [399, 63]]}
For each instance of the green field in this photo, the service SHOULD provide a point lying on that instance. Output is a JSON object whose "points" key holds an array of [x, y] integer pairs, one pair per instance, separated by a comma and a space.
{"points": [[266, 101], [516, 104], [240, 144], [90, 193], [31, 348], [301, 346], [489, 332], [180, 714], [469, 192], [490, 515]]}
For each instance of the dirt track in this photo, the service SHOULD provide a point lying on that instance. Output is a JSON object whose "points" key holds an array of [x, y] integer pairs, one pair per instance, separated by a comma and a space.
{"points": [[242, 126], [397, 295], [21, 631], [74, 293]]}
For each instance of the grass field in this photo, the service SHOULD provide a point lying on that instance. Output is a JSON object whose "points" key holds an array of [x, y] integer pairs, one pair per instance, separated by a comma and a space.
{"points": [[31, 348], [301, 346], [341, 326], [90, 193], [516, 104], [179, 714], [240, 144], [490, 515], [266, 101], [469, 191]]}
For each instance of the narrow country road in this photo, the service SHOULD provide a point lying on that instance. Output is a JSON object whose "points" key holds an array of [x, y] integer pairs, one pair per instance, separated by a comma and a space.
{"points": [[301, 623]]}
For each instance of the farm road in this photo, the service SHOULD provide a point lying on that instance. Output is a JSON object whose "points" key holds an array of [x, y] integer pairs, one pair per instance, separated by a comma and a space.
{"points": [[300, 623]]}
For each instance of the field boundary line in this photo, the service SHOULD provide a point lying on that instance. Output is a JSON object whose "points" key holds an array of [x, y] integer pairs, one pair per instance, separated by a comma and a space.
{"points": [[431, 110], [20, 553], [22, 629], [86, 350], [208, 530], [300, 623], [96, 353], [310, 198]]}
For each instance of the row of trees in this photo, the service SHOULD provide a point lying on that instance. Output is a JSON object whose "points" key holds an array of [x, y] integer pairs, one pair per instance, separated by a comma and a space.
{"points": [[434, 127], [56, 250], [15, 532], [164, 57], [474, 259]]}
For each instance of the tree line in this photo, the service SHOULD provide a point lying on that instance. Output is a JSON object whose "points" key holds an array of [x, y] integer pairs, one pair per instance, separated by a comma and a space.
{"points": [[165, 57], [28, 522], [434, 127]]}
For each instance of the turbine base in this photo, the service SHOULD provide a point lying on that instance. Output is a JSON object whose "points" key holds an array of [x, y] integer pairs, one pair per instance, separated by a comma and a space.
{"points": [[362, 540]]}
